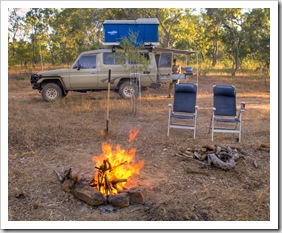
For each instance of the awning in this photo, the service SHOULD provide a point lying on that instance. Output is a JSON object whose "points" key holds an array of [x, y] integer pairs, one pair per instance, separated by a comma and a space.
{"points": [[177, 51], [182, 52]]}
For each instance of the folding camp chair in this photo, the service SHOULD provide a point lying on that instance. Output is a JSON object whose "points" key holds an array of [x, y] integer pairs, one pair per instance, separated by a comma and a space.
{"points": [[183, 112], [224, 111]]}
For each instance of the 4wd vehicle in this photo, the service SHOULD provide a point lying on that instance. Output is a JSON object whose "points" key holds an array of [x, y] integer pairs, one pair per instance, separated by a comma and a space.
{"points": [[90, 73]]}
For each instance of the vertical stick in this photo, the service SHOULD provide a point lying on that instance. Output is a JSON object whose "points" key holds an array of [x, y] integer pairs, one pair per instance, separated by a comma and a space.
{"points": [[108, 102]]}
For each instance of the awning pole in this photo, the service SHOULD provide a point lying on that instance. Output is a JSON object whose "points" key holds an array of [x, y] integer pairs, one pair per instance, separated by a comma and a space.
{"points": [[197, 68]]}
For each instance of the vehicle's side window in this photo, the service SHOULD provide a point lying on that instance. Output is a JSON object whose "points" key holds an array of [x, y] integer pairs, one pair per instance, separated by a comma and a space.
{"points": [[86, 62], [110, 59], [166, 60], [142, 54]]}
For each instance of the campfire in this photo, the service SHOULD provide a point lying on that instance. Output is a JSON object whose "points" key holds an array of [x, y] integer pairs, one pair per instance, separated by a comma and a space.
{"points": [[113, 182], [116, 167]]}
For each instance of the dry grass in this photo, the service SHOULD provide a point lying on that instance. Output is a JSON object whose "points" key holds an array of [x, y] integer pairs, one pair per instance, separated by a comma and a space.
{"points": [[46, 136]]}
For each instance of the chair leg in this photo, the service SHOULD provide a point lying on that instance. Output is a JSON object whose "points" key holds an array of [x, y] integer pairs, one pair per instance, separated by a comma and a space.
{"points": [[212, 125], [168, 124], [195, 125], [240, 132], [240, 126]]}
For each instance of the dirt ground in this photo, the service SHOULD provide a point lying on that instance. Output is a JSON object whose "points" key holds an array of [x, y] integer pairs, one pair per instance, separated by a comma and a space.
{"points": [[46, 136]]}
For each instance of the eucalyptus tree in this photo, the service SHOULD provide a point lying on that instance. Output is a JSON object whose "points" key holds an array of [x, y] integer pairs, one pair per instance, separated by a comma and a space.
{"points": [[168, 20], [232, 33], [213, 22], [257, 37], [15, 22], [225, 25], [16, 25], [37, 21]]}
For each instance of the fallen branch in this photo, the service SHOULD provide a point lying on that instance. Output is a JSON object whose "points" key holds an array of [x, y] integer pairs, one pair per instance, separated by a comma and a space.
{"points": [[188, 170], [264, 145], [199, 156], [244, 152], [191, 158], [60, 178], [213, 159], [66, 174]]}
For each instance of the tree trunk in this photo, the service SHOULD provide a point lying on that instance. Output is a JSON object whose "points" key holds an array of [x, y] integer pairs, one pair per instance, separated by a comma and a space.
{"points": [[237, 57], [202, 55], [214, 54]]}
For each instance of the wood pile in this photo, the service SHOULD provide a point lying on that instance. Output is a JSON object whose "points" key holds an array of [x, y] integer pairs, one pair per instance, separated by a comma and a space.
{"points": [[224, 157], [264, 147]]}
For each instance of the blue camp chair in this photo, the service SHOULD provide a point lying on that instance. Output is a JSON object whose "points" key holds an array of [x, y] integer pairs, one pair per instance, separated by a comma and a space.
{"points": [[183, 112], [188, 71], [224, 111]]}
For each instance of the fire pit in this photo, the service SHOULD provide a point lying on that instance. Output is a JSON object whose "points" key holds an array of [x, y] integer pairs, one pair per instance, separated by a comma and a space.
{"points": [[114, 168]]}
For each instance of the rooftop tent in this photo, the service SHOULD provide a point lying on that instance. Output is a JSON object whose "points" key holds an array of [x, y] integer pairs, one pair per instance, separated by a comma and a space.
{"points": [[182, 52], [146, 29]]}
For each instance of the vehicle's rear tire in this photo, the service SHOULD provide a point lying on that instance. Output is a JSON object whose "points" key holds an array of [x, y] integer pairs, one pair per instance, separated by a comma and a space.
{"points": [[51, 92], [127, 90], [64, 93]]}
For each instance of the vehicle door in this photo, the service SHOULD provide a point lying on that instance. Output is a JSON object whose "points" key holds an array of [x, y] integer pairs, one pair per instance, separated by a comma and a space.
{"points": [[83, 74], [164, 64], [108, 61], [142, 66]]}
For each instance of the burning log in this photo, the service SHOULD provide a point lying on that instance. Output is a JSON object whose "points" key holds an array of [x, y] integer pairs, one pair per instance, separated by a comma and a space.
{"points": [[118, 181], [114, 185], [120, 164], [118, 189], [103, 182]]}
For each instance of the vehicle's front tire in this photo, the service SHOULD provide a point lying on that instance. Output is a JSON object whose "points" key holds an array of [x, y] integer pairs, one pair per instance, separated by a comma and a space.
{"points": [[127, 90], [51, 92]]}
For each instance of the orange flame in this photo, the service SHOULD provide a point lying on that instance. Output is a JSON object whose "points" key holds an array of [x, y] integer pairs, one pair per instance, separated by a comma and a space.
{"points": [[102, 132], [132, 134], [122, 162]]}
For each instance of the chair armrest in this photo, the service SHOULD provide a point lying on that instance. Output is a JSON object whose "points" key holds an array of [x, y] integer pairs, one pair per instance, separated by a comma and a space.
{"points": [[243, 105], [196, 107], [169, 105], [213, 108]]}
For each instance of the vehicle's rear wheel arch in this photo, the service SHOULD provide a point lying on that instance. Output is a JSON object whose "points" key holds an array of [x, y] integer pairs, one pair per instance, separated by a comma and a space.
{"points": [[123, 80]]}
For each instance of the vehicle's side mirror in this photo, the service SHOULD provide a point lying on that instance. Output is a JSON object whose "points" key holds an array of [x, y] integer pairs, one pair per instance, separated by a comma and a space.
{"points": [[78, 67]]}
